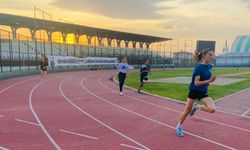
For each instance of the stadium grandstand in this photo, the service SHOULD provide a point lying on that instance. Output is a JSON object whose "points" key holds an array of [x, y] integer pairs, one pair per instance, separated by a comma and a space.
{"points": [[24, 51]]}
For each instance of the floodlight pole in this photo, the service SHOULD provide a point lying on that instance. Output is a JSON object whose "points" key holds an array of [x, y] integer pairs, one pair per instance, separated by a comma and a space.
{"points": [[43, 17]]}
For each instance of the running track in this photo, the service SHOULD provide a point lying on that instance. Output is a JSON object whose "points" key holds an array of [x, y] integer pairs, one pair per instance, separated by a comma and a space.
{"points": [[83, 111], [237, 103]]}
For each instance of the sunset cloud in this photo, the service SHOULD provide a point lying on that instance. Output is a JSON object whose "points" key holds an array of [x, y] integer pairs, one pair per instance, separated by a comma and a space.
{"points": [[180, 19]]}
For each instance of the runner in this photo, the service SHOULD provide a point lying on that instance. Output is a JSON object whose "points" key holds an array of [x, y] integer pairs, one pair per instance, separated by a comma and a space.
{"points": [[198, 89], [123, 69], [145, 70], [43, 67]]}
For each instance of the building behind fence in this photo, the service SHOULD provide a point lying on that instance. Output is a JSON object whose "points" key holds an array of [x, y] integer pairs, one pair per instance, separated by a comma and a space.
{"points": [[239, 55]]}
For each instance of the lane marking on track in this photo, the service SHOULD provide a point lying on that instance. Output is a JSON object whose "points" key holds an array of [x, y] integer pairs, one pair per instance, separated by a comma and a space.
{"points": [[37, 118], [179, 101], [3, 148], [102, 123], [246, 112], [1, 116], [132, 147], [15, 84], [158, 122], [173, 110], [78, 134], [224, 98], [233, 114], [27, 122]]}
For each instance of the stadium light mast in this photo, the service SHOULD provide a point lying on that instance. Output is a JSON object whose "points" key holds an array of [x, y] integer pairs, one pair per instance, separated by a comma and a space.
{"points": [[43, 12], [164, 49], [43, 18], [188, 43], [63, 20]]}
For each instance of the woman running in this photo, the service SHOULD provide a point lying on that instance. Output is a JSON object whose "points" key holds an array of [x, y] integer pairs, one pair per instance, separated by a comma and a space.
{"points": [[198, 89], [145, 69], [123, 69], [43, 67]]}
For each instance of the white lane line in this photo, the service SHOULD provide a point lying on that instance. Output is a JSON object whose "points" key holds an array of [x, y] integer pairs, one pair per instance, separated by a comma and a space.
{"points": [[38, 120], [179, 101], [3, 90], [3, 148], [27, 122], [153, 120], [1, 116], [78, 134], [245, 113], [102, 123], [233, 114], [132, 147], [228, 96], [173, 110]]}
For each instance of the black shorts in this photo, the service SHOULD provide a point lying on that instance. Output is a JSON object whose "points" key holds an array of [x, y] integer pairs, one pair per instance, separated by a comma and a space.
{"points": [[197, 95], [44, 69], [143, 77]]}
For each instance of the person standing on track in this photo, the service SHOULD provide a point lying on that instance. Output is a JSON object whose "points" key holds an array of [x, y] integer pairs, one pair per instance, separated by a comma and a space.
{"points": [[198, 89], [43, 67], [145, 70], [123, 69]]}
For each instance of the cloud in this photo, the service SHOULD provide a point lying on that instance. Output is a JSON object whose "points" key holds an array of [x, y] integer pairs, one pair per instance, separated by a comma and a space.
{"points": [[193, 1], [247, 2], [121, 9], [14, 4]]}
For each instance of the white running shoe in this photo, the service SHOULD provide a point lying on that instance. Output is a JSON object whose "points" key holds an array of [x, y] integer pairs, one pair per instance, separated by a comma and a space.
{"points": [[121, 94]]}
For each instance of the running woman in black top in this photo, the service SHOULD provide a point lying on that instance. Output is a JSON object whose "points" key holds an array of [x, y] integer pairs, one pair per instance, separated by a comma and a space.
{"points": [[43, 67], [145, 70]]}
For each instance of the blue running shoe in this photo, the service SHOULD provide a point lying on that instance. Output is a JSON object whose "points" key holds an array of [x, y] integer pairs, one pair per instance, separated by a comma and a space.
{"points": [[179, 131], [194, 108]]}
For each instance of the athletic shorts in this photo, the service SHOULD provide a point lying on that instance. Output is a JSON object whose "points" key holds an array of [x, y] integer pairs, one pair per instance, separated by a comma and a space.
{"points": [[143, 77], [44, 69], [197, 95]]}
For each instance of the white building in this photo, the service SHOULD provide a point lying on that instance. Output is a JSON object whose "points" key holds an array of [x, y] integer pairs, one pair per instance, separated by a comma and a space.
{"points": [[239, 54]]}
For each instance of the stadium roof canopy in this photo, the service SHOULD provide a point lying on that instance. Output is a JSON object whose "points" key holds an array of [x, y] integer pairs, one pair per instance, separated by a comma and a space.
{"points": [[50, 26]]}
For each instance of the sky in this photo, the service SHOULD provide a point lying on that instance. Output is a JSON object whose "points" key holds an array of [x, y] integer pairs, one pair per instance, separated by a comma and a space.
{"points": [[183, 20]]}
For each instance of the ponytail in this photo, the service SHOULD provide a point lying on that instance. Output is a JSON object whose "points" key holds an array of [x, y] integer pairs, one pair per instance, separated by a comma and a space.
{"points": [[199, 56]]}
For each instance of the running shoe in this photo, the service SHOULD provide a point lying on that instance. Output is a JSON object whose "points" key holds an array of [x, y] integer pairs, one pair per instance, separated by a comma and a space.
{"points": [[194, 108], [179, 131]]}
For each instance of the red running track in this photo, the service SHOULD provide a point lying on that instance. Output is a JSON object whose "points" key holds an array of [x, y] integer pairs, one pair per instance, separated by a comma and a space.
{"points": [[83, 111]]}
